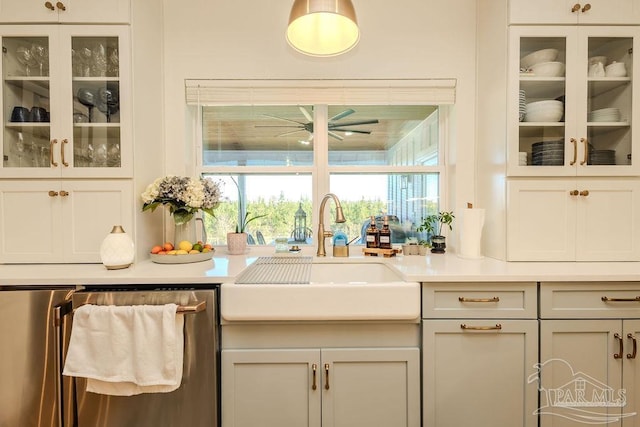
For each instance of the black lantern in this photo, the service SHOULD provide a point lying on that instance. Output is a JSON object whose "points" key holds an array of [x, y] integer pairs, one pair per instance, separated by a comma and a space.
{"points": [[300, 225]]}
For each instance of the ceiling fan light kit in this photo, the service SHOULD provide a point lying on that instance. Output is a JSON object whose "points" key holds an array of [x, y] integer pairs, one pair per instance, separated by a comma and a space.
{"points": [[323, 27]]}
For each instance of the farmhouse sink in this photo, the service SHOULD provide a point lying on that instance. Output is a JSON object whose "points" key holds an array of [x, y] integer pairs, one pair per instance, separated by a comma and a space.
{"points": [[329, 291]]}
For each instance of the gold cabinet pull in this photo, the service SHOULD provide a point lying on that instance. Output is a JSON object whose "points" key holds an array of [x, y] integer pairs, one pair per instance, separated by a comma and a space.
{"points": [[586, 151], [314, 369], [574, 192], [575, 8], [586, 7], [575, 151], [466, 327], [584, 193], [53, 193], [326, 376], [633, 299], [64, 193], [465, 299], [61, 6], [64, 142], [51, 144], [620, 350], [49, 5], [634, 350]]}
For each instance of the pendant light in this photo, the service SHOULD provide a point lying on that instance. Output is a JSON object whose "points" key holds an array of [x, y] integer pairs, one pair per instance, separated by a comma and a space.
{"points": [[323, 27]]}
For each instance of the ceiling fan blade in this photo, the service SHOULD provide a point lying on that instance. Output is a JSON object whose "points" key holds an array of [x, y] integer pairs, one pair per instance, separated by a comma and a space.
{"points": [[307, 115], [354, 123], [282, 118], [368, 132], [342, 115], [335, 135], [279, 126], [290, 132]]}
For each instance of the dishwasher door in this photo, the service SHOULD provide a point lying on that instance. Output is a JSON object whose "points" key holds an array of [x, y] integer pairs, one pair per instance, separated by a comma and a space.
{"points": [[194, 402]]}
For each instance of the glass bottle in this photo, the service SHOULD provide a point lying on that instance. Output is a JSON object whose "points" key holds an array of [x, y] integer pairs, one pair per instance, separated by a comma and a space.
{"points": [[385, 235], [373, 235]]}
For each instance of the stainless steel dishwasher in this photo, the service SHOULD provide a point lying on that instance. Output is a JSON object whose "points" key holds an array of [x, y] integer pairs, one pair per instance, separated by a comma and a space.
{"points": [[194, 403]]}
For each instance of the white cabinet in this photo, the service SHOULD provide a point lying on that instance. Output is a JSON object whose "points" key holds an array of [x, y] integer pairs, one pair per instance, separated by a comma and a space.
{"points": [[65, 11], [573, 220], [480, 342], [66, 104], [594, 136], [598, 320], [574, 12], [60, 221], [355, 387]]}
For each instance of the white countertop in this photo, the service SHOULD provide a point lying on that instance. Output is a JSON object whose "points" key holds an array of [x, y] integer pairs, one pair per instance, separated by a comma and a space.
{"points": [[223, 268]]}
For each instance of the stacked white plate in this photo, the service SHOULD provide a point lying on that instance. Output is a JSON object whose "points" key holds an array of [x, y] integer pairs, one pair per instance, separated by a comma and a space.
{"points": [[602, 157], [547, 153], [604, 115], [522, 108], [522, 158], [538, 57]]}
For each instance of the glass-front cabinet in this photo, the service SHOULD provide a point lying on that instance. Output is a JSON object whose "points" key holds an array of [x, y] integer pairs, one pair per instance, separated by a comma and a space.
{"points": [[573, 101], [65, 103]]}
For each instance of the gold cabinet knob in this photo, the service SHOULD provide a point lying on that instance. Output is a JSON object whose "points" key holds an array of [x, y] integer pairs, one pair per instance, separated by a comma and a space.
{"points": [[574, 192], [53, 193], [584, 193], [49, 5], [60, 6], [575, 8], [586, 8], [64, 193]]}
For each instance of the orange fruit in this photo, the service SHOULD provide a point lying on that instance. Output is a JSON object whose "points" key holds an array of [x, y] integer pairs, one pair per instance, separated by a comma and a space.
{"points": [[162, 253], [168, 246], [156, 249]]}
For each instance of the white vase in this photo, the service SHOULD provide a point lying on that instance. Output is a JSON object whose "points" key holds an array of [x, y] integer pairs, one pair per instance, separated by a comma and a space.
{"points": [[236, 243], [187, 231], [117, 250]]}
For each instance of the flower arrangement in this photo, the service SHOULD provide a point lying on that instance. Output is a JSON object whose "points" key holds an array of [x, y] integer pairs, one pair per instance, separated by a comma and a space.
{"points": [[183, 195]]}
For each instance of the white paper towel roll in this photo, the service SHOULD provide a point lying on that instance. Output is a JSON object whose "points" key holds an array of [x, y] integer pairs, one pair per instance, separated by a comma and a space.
{"points": [[471, 223]]}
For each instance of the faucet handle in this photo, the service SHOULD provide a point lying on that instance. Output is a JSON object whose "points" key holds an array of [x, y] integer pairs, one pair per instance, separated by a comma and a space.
{"points": [[328, 233]]}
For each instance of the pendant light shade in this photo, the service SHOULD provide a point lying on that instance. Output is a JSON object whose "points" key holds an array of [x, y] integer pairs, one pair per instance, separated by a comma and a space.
{"points": [[323, 27]]}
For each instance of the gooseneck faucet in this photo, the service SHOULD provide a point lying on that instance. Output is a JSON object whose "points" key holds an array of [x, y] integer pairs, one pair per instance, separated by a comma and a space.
{"points": [[322, 234]]}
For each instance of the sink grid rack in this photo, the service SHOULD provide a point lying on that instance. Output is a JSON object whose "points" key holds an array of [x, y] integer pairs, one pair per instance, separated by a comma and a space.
{"points": [[277, 271]]}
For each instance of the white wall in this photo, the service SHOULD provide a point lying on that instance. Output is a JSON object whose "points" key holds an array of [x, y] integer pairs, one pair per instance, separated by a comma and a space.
{"points": [[222, 39]]}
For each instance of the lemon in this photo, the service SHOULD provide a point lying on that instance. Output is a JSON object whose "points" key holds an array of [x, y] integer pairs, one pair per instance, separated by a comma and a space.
{"points": [[171, 252], [185, 245], [193, 251], [181, 252]]}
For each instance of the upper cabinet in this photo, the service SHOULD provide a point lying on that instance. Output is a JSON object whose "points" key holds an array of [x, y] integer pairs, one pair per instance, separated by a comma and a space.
{"points": [[65, 11], [573, 101], [568, 12], [66, 108]]}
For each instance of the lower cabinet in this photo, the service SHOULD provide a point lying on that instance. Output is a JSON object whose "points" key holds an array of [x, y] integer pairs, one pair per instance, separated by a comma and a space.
{"points": [[61, 221], [589, 369], [480, 346], [327, 387]]}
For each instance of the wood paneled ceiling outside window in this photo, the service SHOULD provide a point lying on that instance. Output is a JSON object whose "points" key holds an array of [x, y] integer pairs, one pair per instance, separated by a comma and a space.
{"points": [[274, 128]]}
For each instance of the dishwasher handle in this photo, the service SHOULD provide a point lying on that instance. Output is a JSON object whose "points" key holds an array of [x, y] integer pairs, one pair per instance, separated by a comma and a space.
{"points": [[60, 311]]}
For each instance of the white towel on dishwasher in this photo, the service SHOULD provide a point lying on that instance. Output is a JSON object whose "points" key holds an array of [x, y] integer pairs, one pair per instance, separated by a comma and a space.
{"points": [[127, 350]]}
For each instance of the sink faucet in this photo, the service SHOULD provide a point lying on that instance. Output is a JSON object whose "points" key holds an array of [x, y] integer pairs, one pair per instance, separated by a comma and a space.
{"points": [[322, 234]]}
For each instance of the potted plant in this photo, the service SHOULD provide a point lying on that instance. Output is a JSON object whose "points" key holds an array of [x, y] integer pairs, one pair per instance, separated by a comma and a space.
{"points": [[433, 224], [237, 240], [423, 247]]}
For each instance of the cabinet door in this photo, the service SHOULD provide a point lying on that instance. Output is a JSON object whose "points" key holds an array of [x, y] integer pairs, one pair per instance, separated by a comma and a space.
{"points": [[90, 209], [599, 237], [580, 371], [541, 220], [271, 388], [631, 372], [371, 387], [72, 11], [572, 12], [30, 222], [476, 375]]}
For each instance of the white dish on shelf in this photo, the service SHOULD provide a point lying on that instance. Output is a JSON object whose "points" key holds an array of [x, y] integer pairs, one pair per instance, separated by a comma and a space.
{"points": [[543, 55], [548, 69], [181, 259]]}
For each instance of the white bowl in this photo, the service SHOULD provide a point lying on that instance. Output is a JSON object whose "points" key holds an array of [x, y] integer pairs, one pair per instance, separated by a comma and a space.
{"points": [[548, 104], [543, 55], [615, 69], [548, 69], [543, 116], [596, 59]]}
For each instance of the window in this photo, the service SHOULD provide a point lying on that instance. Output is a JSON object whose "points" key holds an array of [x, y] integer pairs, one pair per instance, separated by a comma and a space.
{"points": [[278, 158]]}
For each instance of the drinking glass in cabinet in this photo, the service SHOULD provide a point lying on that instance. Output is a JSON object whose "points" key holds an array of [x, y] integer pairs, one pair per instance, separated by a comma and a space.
{"points": [[95, 57]]}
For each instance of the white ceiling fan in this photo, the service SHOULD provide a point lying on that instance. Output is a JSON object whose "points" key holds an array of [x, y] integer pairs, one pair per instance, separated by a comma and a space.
{"points": [[334, 124]]}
